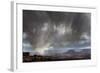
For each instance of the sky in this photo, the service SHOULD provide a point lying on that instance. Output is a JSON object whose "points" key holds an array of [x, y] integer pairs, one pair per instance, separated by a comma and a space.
{"points": [[51, 30]]}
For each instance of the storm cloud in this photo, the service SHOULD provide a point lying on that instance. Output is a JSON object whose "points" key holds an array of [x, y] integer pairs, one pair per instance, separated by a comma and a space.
{"points": [[46, 29]]}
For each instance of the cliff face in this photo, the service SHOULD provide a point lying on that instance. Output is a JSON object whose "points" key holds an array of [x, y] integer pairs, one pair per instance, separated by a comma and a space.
{"points": [[57, 29]]}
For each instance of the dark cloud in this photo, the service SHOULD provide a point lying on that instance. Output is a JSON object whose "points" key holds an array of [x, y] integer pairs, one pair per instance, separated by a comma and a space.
{"points": [[48, 28]]}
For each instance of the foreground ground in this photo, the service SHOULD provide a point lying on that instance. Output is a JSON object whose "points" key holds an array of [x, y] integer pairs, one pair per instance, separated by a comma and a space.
{"points": [[70, 55]]}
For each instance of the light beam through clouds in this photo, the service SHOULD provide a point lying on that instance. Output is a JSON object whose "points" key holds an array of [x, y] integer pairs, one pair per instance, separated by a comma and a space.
{"points": [[46, 31]]}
